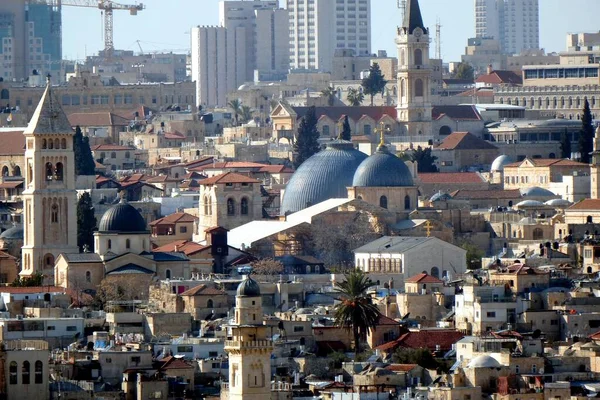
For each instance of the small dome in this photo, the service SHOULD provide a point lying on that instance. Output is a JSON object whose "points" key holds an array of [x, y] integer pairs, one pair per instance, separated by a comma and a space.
{"points": [[558, 203], [248, 288], [14, 233], [440, 196], [484, 361], [530, 203], [382, 169], [535, 191], [499, 163], [122, 218], [326, 175], [527, 221]]}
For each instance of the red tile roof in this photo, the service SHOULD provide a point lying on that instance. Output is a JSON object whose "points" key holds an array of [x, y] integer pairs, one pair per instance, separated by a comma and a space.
{"points": [[97, 119], [424, 278], [450, 177], [547, 162], [11, 184], [465, 112], [174, 136], [275, 169], [186, 247], [162, 178], [353, 113], [174, 363], [500, 77], [228, 177], [13, 143], [203, 290], [464, 141], [175, 218], [586, 204], [401, 367], [425, 339], [32, 289]]}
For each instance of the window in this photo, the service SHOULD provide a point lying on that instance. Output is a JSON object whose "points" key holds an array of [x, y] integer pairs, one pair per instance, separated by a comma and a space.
{"points": [[406, 202], [109, 243], [298, 329], [230, 207], [210, 303], [88, 276], [63, 143], [48, 170], [58, 171], [183, 229], [418, 57], [325, 130], [168, 274], [127, 244], [491, 314], [12, 370], [136, 359], [54, 214], [383, 203], [244, 206], [25, 373], [367, 129], [51, 328], [419, 88], [71, 328], [39, 372], [185, 349]]}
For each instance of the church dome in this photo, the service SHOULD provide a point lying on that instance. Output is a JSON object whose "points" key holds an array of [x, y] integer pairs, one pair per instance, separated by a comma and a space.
{"points": [[535, 191], [552, 203], [14, 233], [325, 175], [382, 169], [499, 163], [248, 288], [484, 361], [122, 218]]}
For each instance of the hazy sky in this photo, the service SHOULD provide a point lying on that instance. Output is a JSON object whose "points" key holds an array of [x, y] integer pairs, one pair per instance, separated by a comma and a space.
{"points": [[165, 24]]}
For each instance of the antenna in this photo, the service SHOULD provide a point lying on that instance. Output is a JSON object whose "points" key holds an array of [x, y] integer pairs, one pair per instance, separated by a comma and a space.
{"points": [[402, 7], [438, 40]]}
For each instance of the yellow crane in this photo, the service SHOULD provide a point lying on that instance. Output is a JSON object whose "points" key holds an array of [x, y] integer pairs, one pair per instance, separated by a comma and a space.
{"points": [[107, 7]]}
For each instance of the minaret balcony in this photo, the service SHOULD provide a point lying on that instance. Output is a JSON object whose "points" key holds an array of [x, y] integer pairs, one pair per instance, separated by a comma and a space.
{"points": [[248, 344]]}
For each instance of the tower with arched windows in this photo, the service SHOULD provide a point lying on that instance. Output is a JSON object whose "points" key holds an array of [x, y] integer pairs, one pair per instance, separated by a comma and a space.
{"points": [[49, 197], [414, 74]]}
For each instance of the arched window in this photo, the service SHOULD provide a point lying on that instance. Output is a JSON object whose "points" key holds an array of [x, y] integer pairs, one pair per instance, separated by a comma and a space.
{"points": [[230, 207], [589, 219], [244, 206], [109, 243], [538, 234], [552, 155], [49, 171], [168, 274], [418, 57], [56, 144], [54, 214], [383, 202], [407, 202], [44, 144], [113, 155], [5, 171], [4, 94], [210, 303], [50, 144], [39, 372], [127, 155], [419, 88], [49, 260], [63, 143], [59, 171], [17, 171], [402, 88], [12, 371], [445, 130], [206, 206], [25, 373], [127, 244], [88, 276]]}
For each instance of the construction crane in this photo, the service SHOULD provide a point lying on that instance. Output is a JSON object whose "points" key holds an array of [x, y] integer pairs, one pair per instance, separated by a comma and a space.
{"points": [[107, 7], [402, 7]]}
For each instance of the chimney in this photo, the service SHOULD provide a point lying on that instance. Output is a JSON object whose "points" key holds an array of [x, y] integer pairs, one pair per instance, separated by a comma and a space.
{"points": [[490, 69]]}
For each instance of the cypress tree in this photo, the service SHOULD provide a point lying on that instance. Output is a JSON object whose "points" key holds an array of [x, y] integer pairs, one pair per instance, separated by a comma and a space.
{"points": [[84, 160], [586, 136], [565, 145], [346, 131], [307, 141], [86, 222]]}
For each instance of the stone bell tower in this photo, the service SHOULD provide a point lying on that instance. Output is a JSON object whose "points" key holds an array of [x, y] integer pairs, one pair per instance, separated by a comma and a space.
{"points": [[249, 346], [49, 197]]}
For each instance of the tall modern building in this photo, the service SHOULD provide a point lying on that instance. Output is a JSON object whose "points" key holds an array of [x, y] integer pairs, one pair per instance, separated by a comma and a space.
{"points": [[319, 27], [30, 38], [515, 23]]}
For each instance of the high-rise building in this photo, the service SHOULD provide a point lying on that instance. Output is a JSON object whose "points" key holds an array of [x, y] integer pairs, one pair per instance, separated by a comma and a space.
{"points": [[30, 38], [315, 35], [515, 23]]}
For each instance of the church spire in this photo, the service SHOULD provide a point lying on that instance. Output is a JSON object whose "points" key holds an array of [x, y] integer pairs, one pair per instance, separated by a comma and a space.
{"points": [[49, 116], [412, 17]]}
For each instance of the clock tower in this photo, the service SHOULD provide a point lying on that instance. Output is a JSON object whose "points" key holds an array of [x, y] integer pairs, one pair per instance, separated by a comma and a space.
{"points": [[414, 75]]}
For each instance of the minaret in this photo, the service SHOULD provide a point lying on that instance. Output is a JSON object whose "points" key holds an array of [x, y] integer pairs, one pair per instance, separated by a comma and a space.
{"points": [[49, 197], [249, 346], [595, 167], [414, 75]]}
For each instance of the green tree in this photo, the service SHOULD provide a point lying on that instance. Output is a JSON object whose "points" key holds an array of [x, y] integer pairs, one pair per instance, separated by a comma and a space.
{"points": [[355, 97], [464, 71], [586, 136], [236, 107], [565, 145], [84, 160], [246, 113], [474, 255], [356, 310], [374, 84], [425, 160], [346, 131], [34, 280], [330, 94], [307, 141], [86, 222], [422, 357]]}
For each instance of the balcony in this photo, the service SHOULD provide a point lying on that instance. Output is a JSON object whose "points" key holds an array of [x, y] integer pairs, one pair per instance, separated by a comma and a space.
{"points": [[251, 344]]}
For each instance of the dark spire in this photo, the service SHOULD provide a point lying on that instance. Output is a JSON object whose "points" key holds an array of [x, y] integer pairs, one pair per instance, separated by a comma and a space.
{"points": [[412, 17]]}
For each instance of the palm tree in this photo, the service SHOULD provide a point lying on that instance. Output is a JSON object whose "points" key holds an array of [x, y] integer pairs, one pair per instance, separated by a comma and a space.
{"points": [[330, 93], [356, 310], [355, 97], [246, 113], [236, 106]]}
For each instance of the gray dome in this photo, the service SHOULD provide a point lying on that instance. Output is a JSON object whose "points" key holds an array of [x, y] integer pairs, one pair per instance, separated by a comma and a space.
{"points": [[324, 176], [535, 191], [558, 203], [382, 169], [440, 196], [14, 233], [499, 163], [530, 203], [122, 218], [248, 288], [484, 361]]}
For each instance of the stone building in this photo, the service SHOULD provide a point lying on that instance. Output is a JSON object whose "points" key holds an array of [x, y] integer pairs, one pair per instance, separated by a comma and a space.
{"points": [[541, 172], [177, 226], [25, 370], [461, 150]]}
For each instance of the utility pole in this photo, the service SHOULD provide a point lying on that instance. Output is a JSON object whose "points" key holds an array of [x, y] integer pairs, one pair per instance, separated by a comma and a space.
{"points": [[402, 7]]}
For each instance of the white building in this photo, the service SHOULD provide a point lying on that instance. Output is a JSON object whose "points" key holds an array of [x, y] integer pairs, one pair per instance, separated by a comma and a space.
{"points": [[53, 330], [515, 23], [314, 34]]}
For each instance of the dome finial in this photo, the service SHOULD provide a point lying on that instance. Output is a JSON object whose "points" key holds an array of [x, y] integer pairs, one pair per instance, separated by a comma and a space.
{"points": [[123, 198], [382, 130]]}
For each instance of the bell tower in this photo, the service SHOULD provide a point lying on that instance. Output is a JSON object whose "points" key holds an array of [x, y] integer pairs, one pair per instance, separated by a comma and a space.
{"points": [[414, 75], [49, 197], [595, 167], [249, 346]]}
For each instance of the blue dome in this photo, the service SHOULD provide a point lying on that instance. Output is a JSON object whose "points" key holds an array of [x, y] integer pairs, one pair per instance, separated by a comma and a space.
{"points": [[248, 288], [122, 218], [382, 169], [324, 176]]}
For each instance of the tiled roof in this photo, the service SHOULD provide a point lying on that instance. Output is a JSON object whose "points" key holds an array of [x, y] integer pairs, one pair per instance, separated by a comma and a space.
{"points": [[111, 147], [353, 113], [477, 92], [97, 119], [48, 116], [228, 177], [32, 290], [200, 161], [275, 169], [450, 177], [203, 290], [401, 367], [425, 339], [383, 320], [500, 77], [546, 162], [81, 257], [174, 136], [11, 184], [464, 141], [486, 194], [423, 278], [162, 178], [228, 165], [4, 255], [13, 143], [466, 112], [175, 218], [174, 363], [586, 204], [185, 246]]}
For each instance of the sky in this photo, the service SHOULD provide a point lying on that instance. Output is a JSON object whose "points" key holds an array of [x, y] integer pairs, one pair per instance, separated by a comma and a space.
{"points": [[165, 24]]}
